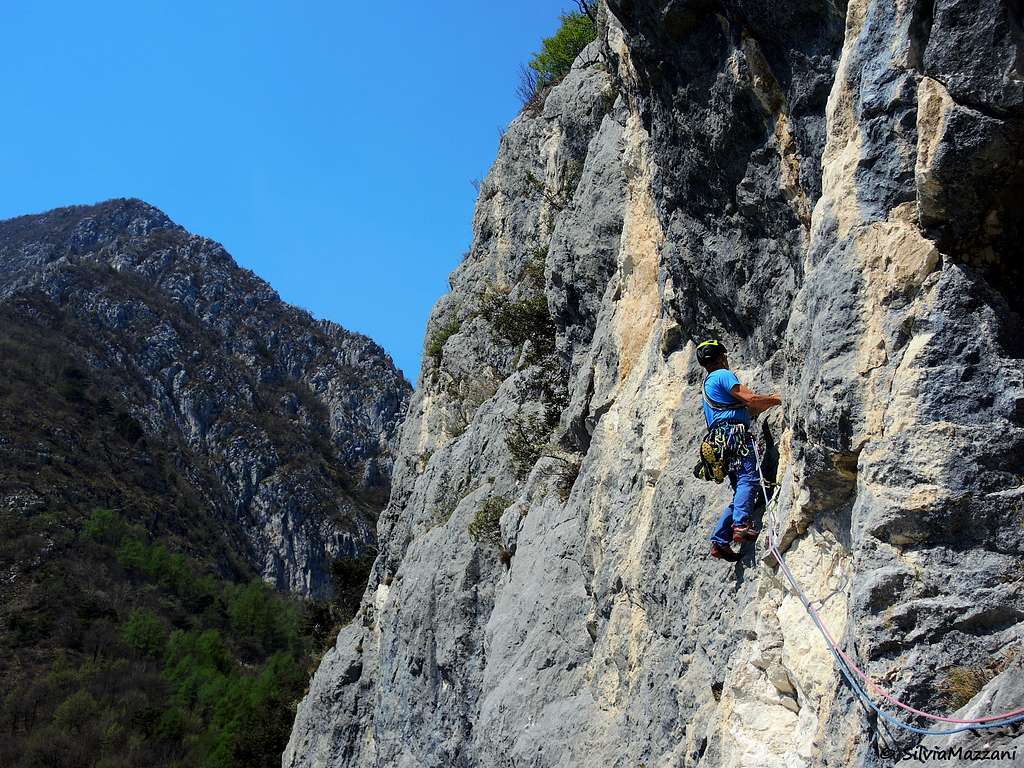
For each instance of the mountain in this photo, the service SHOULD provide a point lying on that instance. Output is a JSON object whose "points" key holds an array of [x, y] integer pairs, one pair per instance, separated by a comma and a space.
{"points": [[833, 189], [227, 403], [173, 438]]}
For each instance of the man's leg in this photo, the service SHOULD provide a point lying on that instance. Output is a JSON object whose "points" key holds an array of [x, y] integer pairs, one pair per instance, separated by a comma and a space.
{"points": [[723, 531], [746, 485]]}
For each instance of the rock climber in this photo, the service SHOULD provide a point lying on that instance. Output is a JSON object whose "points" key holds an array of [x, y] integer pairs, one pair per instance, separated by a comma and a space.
{"points": [[728, 409]]}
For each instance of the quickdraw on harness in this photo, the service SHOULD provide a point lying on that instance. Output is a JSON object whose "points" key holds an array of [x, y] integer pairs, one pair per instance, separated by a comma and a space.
{"points": [[721, 451], [723, 447]]}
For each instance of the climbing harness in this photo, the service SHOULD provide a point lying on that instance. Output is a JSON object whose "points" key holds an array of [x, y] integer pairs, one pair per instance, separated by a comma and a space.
{"points": [[717, 405], [724, 445], [721, 451], [847, 667]]}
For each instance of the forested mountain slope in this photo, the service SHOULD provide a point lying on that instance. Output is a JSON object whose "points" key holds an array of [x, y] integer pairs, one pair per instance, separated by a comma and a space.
{"points": [[171, 435]]}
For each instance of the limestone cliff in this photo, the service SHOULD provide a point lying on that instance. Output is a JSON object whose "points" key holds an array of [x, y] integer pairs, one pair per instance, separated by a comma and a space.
{"points": [[835, 190]]}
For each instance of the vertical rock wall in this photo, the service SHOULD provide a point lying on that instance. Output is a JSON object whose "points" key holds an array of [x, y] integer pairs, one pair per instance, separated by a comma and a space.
{"points": [[834, 191]]}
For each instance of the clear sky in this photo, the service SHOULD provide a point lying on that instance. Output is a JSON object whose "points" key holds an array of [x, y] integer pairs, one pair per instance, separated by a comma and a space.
{"points": [[328, 145]]}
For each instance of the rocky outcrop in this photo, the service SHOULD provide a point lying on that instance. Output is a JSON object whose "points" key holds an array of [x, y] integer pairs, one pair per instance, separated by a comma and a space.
{"points": [[834, 190], [285, 426]]}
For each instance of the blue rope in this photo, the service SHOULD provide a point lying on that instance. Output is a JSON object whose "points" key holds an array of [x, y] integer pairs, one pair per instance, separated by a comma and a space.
{"points": [[885, 715], [842, 664]]}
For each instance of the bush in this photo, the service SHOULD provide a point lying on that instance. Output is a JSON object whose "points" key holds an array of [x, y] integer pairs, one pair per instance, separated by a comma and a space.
{"points": [[528, 319], [527, 90], [557, 53], [133, 554], [520, 321], [75, 712], [963, 683], [485, 527], [435, 344], [566, 473], [533, 271], [145, 633], [525, 438], [105, 526]]}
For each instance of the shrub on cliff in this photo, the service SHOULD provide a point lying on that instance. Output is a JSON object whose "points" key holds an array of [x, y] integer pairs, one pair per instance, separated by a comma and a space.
{"points": [[521, 321], [529, 318], [554, 60], [486, 525], [435, 344], [525, 437]]}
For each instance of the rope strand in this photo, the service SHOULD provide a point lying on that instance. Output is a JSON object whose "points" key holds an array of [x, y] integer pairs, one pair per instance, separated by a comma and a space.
{"points": [[846, 665]]}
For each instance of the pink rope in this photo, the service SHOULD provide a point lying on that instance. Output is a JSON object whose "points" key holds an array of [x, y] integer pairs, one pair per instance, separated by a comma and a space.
{"points": [[887, 695], [863, 675]]}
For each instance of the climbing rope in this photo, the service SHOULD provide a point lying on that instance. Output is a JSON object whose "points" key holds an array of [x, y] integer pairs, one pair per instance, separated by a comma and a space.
{"points": [[847, 666]]}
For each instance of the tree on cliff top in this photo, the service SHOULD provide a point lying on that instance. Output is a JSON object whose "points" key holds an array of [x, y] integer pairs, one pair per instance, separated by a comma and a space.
{"points": [[554, 60]]}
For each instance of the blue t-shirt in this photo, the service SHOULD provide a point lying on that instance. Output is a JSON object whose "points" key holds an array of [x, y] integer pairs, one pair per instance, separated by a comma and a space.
{"points": [[718, 386]]}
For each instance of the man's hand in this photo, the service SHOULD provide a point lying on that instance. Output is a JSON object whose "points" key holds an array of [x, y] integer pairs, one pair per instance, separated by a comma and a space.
{"points": [[756, 404]]}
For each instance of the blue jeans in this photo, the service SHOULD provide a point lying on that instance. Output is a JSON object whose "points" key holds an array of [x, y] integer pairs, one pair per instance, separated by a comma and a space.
{"points": [[745, 486]]}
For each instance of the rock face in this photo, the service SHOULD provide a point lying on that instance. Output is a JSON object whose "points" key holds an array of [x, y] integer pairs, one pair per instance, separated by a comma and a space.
{"points": [[285, 426], [835, 190]]}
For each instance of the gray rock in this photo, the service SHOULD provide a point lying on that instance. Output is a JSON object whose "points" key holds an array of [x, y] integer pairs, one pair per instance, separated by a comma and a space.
{"points": [[782, 175], [1000, 747]]}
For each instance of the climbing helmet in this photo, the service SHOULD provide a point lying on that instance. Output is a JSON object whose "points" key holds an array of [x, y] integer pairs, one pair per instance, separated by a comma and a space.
{"points": [[709, 350]]}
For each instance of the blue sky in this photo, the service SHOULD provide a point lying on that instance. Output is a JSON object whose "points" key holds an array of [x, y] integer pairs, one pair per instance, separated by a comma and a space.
{"points": [[328, 145]]}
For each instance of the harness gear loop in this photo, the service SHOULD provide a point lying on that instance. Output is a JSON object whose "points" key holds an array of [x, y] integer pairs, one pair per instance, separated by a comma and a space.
{"points": [[722, 451], [724, 445]]}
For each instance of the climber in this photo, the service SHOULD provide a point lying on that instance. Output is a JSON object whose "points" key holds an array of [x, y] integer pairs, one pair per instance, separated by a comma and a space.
{"points": [[728, 408]]}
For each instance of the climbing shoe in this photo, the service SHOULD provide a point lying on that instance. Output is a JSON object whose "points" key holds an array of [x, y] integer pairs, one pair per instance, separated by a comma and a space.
{"points": [[723, 553], [742, 533]]}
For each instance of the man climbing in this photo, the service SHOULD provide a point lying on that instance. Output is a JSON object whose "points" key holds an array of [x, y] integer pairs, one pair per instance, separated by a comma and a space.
{"points": [[728, 408]]}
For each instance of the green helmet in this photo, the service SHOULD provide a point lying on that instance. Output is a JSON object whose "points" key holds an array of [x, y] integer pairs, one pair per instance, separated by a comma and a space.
{"points": [[709, 350]]}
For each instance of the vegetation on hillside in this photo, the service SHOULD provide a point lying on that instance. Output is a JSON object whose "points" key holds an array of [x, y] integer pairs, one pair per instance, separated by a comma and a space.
{"points": [[553, 61], [485, 527], [437, 339], [526, 319], [133, 654], [132, 633]]}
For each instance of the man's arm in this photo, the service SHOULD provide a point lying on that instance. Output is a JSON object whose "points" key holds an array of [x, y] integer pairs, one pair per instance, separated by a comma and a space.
{"points": [[752, 401]]}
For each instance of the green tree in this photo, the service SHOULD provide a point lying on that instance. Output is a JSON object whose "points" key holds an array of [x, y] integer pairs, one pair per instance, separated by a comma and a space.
{"points": [[75, 712], [196, 664], [265, 720], [145, 632], [105, 527], [261, 618], [554, 60]]}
